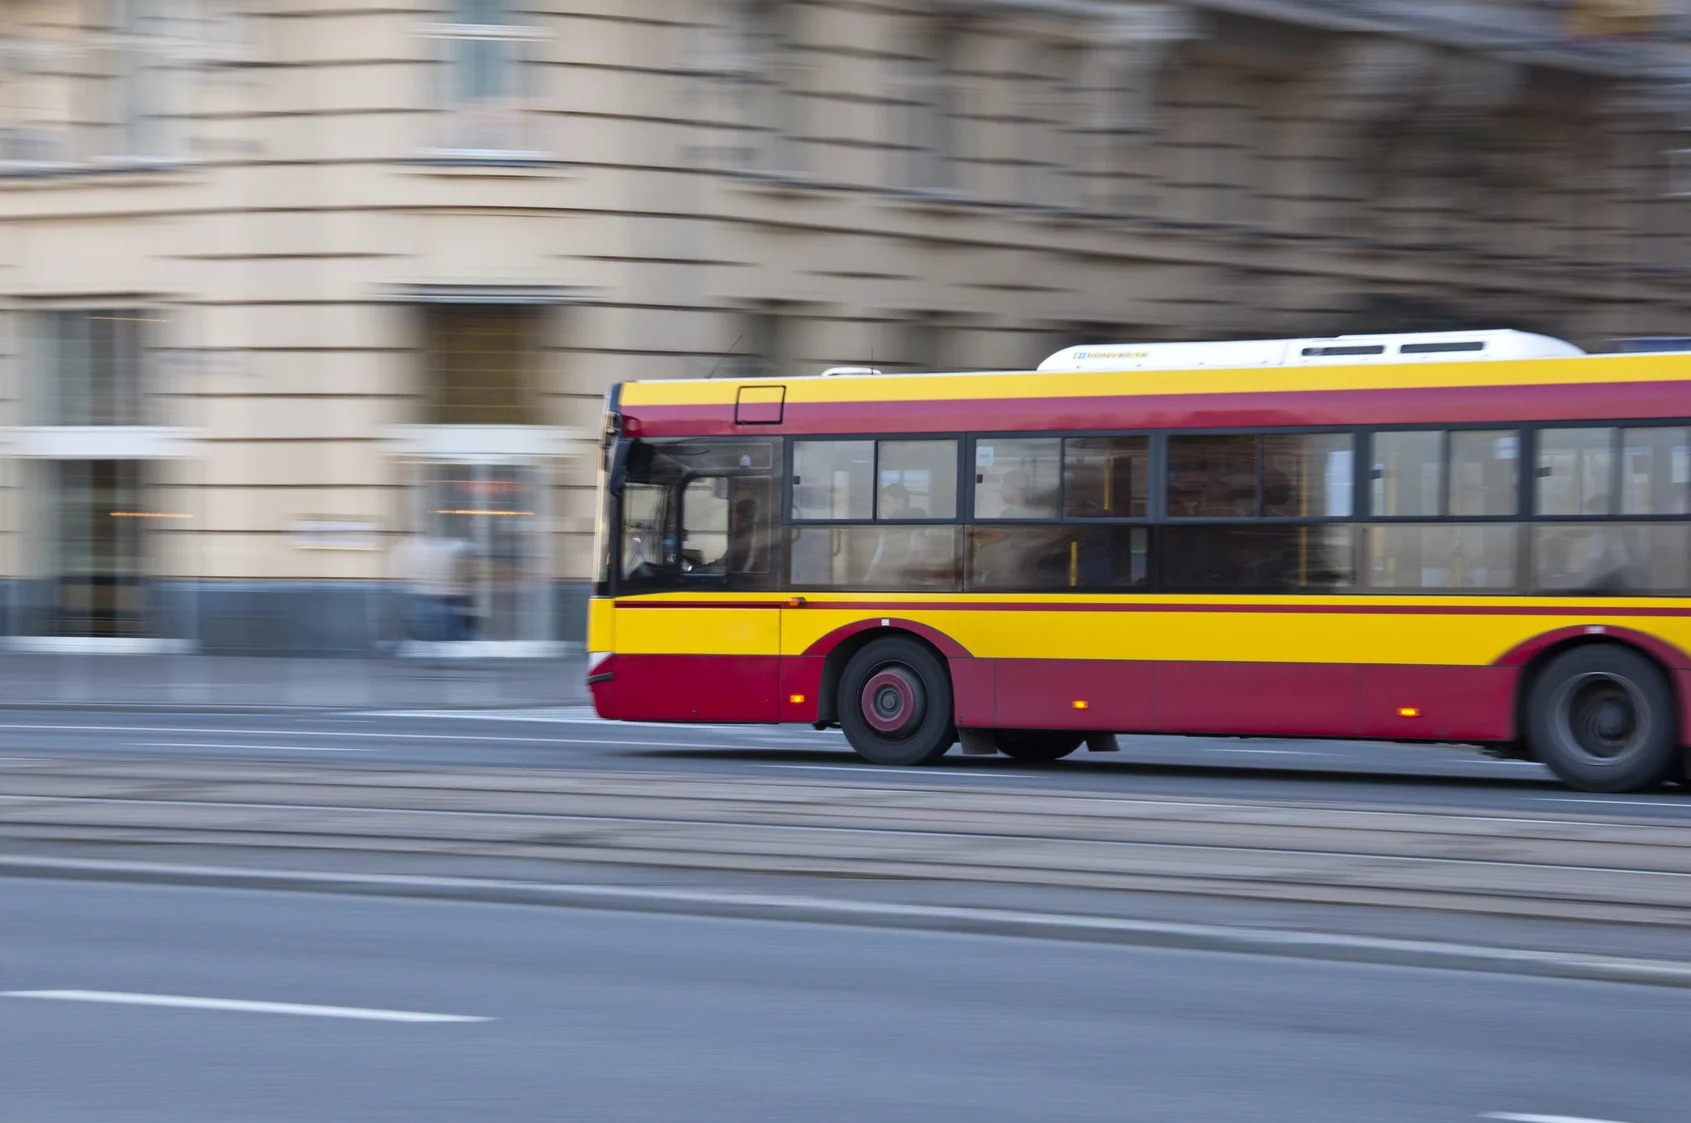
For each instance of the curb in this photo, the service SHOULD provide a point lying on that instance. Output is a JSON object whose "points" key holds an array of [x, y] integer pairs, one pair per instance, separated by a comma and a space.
{"points": [[867, 914]]}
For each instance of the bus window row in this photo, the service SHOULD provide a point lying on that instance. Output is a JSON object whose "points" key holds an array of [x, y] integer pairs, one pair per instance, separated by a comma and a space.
{"points": [[705, 513], [1606, 472], [1608, 558], [722, 546]]}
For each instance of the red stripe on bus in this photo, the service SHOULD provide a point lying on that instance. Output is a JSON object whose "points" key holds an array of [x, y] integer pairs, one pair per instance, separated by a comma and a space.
{"points": [[1436, 405]]}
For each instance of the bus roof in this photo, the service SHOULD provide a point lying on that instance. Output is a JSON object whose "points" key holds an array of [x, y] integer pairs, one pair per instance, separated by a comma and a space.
{"points": [[1461, 387], [1339, 350]]}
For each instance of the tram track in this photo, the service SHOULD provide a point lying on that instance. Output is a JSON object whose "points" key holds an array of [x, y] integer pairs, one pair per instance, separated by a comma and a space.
{"points": [[1551, 865]]}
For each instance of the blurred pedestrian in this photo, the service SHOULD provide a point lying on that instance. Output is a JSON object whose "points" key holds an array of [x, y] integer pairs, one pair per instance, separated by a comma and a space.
{"points": [[435, 573]]}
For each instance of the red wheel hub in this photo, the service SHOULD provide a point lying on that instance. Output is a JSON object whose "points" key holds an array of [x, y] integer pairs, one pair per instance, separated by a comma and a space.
{"points": [[893, 701]]}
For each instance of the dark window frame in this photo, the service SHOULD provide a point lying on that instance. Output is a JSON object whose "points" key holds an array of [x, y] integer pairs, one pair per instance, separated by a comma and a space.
{"points": [[1359, 477], [1156, 520], [777, 553], [1526, 451], [1616, 470], [965, 487], [1154, 444]]}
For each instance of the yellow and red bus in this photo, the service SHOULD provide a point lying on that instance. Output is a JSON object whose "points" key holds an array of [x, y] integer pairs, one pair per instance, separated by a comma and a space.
{"points": [[1458, 537]]}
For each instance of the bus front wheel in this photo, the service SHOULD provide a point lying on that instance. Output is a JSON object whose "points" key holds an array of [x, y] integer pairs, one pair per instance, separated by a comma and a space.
{"points": [[1601, 717], [895, 703]]}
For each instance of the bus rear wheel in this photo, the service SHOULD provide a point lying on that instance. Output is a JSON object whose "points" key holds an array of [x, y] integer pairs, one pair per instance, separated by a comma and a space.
{"points": [[1037, 746], [1601, 717], [895, 703]]}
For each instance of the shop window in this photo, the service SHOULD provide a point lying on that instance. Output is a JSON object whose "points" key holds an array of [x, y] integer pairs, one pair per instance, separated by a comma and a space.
{"points": [[91, 365]]}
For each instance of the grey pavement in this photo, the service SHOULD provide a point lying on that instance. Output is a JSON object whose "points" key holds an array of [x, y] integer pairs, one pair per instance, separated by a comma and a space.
{"points": [[569, 742], [261, 682], [571, 738], [610, 1017]]}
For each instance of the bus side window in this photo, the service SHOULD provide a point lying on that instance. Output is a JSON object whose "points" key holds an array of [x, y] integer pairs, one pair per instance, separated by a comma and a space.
{"points": [[1656, 471]]}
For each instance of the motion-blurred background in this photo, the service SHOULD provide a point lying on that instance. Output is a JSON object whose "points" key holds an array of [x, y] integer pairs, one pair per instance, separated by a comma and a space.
{"points": [[305, 304]]}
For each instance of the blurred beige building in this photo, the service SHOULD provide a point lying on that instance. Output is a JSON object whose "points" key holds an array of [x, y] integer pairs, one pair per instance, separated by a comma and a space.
{"points": [[285, 283]]}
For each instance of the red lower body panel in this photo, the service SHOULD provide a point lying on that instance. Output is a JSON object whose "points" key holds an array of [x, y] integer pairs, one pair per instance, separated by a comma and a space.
{"points": [[1041, 694], [1306, 699], [801, 687], [974, 686], [690, 688], [1451, 703], [1274, 699]]}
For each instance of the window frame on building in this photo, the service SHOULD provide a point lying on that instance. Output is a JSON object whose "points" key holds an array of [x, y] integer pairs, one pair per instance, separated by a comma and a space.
{"points": [[471, 35]]}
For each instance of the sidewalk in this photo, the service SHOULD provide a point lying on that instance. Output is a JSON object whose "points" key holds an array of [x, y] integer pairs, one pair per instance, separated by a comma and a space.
{"points": [[226, 682]]}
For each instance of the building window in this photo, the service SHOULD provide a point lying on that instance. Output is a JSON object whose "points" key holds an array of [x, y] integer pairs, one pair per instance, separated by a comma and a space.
{"points": [[91, 366], [485, 81], [34, 130], [929, 139], [769, 78], [482, 363], [131, 83]]}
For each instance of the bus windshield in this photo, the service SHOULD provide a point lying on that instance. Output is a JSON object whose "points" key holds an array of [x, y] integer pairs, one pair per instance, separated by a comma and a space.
{"points": [[697, 514]]}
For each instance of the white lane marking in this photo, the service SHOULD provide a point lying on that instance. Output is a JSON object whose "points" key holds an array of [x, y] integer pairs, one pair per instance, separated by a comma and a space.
{"points": [[1516, 1117], [1263, 752], [185, 1002], [256, 748], [1668, 802]]}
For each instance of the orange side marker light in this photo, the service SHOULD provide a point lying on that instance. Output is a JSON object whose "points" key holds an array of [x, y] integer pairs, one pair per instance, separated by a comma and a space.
{"points": [[1080, 703], [1408, 711], [796, 699]]}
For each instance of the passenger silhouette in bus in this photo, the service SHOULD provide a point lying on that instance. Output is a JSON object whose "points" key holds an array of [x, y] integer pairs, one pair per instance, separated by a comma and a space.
{"points": [[1017, 493], [748, 539]]}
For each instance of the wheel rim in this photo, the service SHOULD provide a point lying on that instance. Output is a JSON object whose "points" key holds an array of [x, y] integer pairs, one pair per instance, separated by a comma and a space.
{"points": [[1601, 717], [892, 701]]}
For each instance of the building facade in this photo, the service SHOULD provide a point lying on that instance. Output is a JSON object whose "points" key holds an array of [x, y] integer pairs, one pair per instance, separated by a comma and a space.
{"points": [[305, 302]]}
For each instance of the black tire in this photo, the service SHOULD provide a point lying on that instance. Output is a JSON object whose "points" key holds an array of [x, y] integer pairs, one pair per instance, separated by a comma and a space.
{"points": [[1037, 746], [1602, 718], [895, 703]]}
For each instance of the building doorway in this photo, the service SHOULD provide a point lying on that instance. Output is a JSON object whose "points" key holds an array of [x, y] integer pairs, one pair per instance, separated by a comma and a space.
{"points": [[99, 549], [479, 571]]}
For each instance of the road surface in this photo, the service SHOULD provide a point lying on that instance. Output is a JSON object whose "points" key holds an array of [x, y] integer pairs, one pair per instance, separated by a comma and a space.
{"points": [[609, 1017], [1324, 771]]}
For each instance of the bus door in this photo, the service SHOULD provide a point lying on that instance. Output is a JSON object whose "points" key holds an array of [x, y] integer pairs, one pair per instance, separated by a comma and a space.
{"points": [[699, 518]]}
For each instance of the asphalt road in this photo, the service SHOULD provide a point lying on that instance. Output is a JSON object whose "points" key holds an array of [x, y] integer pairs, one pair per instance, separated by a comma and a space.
{"points": [[1319, 771], [608, 1017]]}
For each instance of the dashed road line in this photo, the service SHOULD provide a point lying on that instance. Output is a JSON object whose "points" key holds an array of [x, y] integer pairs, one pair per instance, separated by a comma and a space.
{"points": [[237, 1005]]}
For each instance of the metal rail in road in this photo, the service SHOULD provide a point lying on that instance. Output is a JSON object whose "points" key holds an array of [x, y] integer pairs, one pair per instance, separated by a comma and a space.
{"points": [[1552, 865]]}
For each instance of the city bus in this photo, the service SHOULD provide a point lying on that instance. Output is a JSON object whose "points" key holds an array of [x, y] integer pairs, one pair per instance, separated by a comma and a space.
{"points": [[1473, 537]]}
